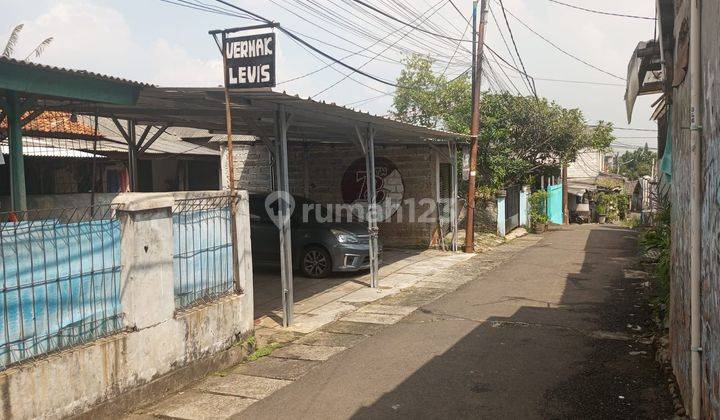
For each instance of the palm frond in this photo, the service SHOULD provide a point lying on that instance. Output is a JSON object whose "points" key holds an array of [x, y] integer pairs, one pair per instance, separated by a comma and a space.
{"points": [[12, 41], [40, 48]]}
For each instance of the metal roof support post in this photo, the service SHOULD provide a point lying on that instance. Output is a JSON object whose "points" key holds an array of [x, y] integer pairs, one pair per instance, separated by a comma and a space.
{"points": [[283, 220], [132, 156], [453, 194], [14, 113], [372, 205]]}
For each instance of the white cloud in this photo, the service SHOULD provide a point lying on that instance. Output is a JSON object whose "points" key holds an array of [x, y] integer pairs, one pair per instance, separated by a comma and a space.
{"points": [[98, 38], [173, 66]]}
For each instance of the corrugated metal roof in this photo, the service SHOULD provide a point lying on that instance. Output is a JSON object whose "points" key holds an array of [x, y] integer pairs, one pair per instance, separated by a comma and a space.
{"points": [[48, 151], [72, 71], [167, 142], [253, 114]]}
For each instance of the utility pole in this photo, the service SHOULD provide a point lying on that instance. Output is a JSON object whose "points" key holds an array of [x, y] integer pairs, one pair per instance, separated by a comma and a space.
{"points": [[566, 214], [478, 43]]}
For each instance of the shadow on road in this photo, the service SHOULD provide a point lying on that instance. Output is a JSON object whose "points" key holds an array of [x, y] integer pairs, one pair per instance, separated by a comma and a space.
{"points": [[575, 357]]}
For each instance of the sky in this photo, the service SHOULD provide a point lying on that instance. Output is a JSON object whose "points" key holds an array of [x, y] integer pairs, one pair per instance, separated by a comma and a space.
{"points": [[168, 45]]}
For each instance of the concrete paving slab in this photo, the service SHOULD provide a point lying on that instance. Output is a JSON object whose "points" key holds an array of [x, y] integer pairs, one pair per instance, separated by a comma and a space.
{"points": [[413, 296], [307, 323], [247, 386], [373, 318], [193, 405], [435, 285], [367, 295], [277, 368], [305, 352], [322, 338], [377, 308], [337, 308], [420, 269], [399, 280], [316, 301], [265, 336], [357, 328]]}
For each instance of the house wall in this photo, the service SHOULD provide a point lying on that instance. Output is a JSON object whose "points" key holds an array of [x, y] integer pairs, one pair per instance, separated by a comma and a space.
{"points": [[710, 223], [316, 172], [161, 348], [589, 163]]}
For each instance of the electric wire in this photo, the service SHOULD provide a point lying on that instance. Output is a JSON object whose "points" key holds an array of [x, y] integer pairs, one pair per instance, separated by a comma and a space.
{"points": [[599, 12], [557, 47]]}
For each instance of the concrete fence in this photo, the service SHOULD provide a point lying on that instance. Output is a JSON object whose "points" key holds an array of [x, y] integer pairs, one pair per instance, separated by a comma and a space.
{"points": [[157, 340]]}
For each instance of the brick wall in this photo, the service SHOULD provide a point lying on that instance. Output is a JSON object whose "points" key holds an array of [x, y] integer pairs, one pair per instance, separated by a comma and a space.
{"points": [[315, 171]]}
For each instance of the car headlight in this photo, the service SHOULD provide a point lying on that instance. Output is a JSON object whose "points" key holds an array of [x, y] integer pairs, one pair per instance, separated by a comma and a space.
{"points": [[344, 237]]}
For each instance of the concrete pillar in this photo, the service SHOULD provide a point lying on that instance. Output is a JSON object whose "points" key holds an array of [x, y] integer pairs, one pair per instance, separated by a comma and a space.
{"points": [[524, 206], [244, 249], [501, 212], [146, 256]]}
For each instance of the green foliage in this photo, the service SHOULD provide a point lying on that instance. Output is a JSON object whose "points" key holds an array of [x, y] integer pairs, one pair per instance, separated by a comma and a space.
{"points": [[614, 205], [638, 163], [518, 135], [656, 239], [538, 211], [263, 351]]}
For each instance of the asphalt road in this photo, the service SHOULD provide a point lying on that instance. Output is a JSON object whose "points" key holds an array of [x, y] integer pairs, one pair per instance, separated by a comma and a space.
{"points": [[557, 332]]}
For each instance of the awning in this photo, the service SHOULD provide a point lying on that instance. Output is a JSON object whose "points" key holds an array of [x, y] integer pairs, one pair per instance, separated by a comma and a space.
{"points": [[253, 112], [644, 75]]}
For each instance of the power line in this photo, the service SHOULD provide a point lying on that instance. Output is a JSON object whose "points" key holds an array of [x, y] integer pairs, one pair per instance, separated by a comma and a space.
{"points": [[307, 44], [507, 47], [557, 47], [599, 12], [389, 16], [425, 18], [512, 38]]}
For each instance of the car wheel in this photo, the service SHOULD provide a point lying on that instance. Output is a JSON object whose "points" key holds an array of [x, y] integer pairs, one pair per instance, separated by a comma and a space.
{"points": [[315, 262]]}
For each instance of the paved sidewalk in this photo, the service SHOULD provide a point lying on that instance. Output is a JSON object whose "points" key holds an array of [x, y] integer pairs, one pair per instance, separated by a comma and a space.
{"points": [[327, 324]]}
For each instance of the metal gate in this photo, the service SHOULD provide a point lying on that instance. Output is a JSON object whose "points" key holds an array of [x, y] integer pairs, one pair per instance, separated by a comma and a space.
{"points": [[512, 208]]}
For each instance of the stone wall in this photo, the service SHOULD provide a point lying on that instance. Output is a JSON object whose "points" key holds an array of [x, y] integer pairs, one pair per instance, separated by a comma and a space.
{"points": [[157, 341], [710, 223], [316, 172]]}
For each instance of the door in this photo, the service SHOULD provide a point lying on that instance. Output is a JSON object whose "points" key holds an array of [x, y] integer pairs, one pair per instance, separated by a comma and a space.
{"points": [[512, 208]]}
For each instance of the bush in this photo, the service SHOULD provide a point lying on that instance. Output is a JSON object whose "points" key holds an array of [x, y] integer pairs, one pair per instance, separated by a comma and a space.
{"points": [[538, 212], [614, 205], [656, 240]]}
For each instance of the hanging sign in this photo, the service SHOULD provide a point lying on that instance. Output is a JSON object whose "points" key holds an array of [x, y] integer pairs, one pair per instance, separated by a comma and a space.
{"points": [[250, 61], [465, 163]]}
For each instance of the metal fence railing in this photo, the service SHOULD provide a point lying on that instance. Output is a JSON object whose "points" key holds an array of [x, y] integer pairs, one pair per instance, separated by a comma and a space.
{"points": [[60, 278], [203, 250]]}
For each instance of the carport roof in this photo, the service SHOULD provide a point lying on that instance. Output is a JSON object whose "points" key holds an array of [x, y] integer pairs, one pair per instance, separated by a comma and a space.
{"points": [[253, 113]]}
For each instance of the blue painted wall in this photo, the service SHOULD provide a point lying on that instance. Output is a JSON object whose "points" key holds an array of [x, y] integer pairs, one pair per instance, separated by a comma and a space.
{"points": [[202, 254], [60, 285]]}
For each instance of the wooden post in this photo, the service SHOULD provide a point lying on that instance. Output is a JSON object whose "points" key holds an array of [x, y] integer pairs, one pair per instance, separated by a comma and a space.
{"points": [[231, 172]]}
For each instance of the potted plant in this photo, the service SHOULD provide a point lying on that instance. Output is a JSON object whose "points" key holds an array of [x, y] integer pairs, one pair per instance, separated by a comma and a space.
{"points": [[537, 213], [601, 210]]}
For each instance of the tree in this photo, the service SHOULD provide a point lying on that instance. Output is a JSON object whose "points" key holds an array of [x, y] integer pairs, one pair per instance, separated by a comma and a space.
{"points": [[519, 135], [638, 163], [9, 49]]}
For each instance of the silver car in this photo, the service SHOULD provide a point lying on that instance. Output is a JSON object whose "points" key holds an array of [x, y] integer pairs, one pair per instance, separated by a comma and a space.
{"points": [[318, 248]]}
